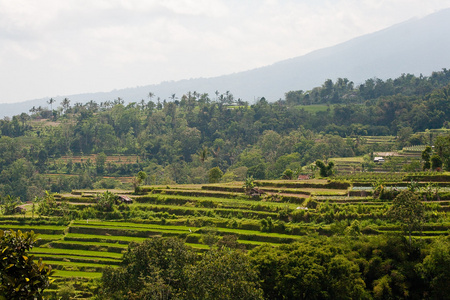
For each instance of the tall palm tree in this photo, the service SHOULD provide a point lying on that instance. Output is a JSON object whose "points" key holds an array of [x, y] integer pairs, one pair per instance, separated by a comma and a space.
{"points": [[51, 101], [203, 154], [142, 104], [65, 104]]}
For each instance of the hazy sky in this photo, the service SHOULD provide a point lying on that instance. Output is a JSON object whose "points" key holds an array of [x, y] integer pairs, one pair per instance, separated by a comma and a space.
{"points": [[54, 48]]}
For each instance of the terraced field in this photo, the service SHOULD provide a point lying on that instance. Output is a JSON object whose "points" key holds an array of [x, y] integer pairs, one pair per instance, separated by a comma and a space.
{"points": [[285, 212]]}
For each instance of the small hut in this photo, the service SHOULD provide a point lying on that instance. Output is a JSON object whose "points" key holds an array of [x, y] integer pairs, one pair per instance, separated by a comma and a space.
{"points": [[125, 199], [255, 192]]}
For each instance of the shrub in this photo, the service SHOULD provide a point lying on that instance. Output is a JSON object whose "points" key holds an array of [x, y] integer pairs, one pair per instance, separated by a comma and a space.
{"points": [[21, 277], [214, 175]]}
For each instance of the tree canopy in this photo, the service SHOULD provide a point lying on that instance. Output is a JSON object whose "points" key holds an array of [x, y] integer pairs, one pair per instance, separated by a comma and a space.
{"points": [[21, 276], [182, 140]]}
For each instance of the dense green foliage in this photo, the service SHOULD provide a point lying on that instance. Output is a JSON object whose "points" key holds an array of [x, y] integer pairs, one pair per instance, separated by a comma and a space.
{"points": [[383, 267], [302, 237], [249, 236], [8, 205], [187, 140], [409, 210], [168, 269], [325, 170], [21, 277]]}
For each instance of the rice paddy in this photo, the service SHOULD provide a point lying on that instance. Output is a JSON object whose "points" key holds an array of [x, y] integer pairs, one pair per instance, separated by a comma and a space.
{"points": [[286, 211]]}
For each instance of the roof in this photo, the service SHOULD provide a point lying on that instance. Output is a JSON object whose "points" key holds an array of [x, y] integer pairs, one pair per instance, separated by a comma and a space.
{"points": [[125, 198]]}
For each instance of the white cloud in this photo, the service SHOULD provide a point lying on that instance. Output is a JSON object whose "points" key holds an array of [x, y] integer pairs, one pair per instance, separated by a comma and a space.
{"points": [[105, 44]]}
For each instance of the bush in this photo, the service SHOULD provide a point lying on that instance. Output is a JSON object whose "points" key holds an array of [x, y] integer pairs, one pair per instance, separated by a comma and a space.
{"points": [[21, 277], [214, 175], [288, 174]]}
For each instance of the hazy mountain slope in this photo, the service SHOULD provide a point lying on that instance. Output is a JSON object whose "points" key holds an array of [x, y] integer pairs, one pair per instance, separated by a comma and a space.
{"points": [[416, 46]]}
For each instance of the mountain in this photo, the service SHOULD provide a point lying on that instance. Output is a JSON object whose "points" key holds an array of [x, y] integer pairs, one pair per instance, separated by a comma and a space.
{"points": [[418, 46]]}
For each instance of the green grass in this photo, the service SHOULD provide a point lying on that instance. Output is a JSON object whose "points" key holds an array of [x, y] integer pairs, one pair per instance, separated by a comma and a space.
{"points": [[30, 227], [76, 264], [255, 206], [197, 246], [42, 229], [84, 243], [277, 182], [50, 236], [315, 108], [129, 239], [76, 274], [255, 233], [82, 253], [194, 212], [130, 226], [256, 242], [229, 203], [355, 159], [49, 257], [132, 231]]}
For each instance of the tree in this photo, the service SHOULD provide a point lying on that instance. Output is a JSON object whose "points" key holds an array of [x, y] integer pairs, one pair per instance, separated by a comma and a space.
{"points": [[214, 175], [9, 205], [137, 181], [249, 184], [47, 205], [307, 270], [254, 161], [426, 158], [288, 174], [230, 241], [409, 210], [210, 237], [435, 269], [223, 274], [141, 176], [442, 145], [65, 104], [436, 162], [203, 154], [51, 101], [100, 161], [344, 280], [325, 170], [21, 277], [33, 205], [153, 269], [106, 201], [150, 95]]}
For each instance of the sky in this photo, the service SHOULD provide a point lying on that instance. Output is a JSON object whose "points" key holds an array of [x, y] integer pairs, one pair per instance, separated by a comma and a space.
{"points": [[52, 48]]}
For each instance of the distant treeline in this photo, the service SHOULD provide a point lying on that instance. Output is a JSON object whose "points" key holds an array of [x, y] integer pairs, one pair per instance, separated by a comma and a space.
{"points": [[344, 90], [180, 139]]}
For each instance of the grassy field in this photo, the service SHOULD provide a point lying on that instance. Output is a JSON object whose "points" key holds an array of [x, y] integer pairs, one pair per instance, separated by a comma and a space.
{"points": [[315, 108], [286, 212]]}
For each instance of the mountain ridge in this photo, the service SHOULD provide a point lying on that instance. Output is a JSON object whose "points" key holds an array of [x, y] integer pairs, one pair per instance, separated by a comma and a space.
{"points": [[416, 46]]}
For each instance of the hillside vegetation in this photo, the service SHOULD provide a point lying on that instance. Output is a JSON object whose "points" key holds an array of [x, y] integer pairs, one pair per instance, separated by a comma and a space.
{"points": [[86, 233], [213, 198], [97, 145]]}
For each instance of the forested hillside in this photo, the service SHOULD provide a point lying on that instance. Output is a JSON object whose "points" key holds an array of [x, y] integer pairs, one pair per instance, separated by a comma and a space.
{"points": [[172, 198], [185, 138]]}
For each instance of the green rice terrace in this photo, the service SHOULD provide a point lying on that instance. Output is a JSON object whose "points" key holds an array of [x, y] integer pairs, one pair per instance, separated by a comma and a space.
{"points": [[80, 236]]}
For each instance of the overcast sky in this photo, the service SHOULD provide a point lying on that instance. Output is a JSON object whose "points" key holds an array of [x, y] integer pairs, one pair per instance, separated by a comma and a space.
{"points": [[53, 48]]}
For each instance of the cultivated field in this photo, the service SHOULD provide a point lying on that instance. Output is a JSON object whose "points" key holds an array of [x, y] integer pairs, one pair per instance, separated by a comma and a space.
{"points": [[286, 211]]}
